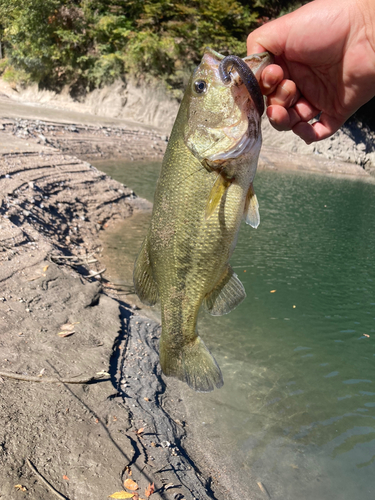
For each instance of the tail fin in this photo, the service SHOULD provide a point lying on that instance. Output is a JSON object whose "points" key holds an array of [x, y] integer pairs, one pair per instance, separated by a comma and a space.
{"points": [[193, 364]]}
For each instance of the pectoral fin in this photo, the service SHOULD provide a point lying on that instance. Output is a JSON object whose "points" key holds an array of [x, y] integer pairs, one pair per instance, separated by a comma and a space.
{"points": [[144, 283], [251, 213], [226, 295], [217, 192]]}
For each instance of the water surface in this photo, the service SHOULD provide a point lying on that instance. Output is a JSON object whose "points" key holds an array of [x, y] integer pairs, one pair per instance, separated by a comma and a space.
{"points": [[297, 410]]}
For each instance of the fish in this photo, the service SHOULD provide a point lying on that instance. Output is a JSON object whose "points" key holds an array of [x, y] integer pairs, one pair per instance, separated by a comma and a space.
{"points": [[204, 191]]}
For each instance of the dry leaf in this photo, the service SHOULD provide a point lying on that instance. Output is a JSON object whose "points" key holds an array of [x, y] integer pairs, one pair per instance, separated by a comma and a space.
{"points": [[150, 490], [45, 268], [139, 431], [130, 484], [19, 487], [146, 399], [128, 470], [121, 494], [66, 334], [272, 291], [66, 478], [69, 326]]}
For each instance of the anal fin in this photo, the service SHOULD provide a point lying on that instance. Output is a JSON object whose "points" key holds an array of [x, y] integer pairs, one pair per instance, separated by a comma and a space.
{"points": [[251, 213], [144, 283], [226, 295]]}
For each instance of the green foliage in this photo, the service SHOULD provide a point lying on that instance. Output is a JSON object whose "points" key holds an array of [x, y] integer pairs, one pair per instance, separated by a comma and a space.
{"points": [[88, 43]]}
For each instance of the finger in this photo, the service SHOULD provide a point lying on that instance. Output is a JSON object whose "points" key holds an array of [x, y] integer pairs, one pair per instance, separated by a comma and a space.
{"points": [[286, 94], [282, 119], [326, 126], [305, 110], [319, 130], [271, 77], [305, 131]]}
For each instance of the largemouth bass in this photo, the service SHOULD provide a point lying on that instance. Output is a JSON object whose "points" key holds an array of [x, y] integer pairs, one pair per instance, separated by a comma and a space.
{"points": [[204, 191]]}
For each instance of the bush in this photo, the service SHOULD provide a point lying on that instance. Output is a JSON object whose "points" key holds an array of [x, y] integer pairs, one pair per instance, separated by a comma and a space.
{"points": [[88, 43]]}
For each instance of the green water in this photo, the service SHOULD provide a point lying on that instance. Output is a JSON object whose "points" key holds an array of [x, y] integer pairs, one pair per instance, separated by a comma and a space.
{"points": [[297, 410]]}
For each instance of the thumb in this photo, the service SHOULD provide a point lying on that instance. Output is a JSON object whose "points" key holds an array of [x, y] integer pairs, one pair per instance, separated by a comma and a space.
{"points": [[271, 37]]}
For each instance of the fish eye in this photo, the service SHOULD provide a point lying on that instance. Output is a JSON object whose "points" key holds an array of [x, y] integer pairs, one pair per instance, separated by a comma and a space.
{"points": [[200, 86]]}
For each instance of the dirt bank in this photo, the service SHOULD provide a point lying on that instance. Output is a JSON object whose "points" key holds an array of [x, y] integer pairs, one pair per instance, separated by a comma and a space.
{"points": [[60, 320], [133, 104]]}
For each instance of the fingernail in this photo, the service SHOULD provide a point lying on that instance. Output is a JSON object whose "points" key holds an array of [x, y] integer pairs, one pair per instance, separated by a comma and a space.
{"points": [[270, 82], [270, 114]]}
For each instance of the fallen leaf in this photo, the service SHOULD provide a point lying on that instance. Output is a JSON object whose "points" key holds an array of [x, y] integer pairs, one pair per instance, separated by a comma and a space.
{"points": [[121, 494], [131, 485], [150, 490], [45, 268], [128, 470], [19, 487], [69, 326], [66, 334], [146, 399], [272, 291], [139, 431], [66, 478]]}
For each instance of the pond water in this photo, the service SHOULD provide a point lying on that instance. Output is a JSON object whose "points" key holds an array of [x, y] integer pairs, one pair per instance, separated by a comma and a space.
{"points": [[297, 410]]}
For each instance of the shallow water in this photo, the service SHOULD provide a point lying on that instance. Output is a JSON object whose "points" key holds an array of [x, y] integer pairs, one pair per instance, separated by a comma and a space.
{"points": [[297, 410]]}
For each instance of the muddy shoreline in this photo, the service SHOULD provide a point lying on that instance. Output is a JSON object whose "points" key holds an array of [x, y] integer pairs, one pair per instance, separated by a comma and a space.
{"points": [[86, 439]]}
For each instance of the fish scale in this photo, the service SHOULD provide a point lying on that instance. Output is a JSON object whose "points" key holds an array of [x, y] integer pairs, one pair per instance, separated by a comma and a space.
{"points": [[184, 260]]}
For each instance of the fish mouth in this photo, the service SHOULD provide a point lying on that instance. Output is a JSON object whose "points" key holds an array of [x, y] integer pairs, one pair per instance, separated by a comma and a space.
{"points": [[242, 147], [247, 77]]}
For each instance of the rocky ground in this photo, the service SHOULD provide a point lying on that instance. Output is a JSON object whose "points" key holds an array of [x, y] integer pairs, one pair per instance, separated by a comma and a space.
{"points": [[89, 407]]}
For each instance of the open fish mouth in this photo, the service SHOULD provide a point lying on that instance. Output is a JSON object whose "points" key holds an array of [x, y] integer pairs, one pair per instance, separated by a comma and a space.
{"points": [[243, 146], [247, 77]]}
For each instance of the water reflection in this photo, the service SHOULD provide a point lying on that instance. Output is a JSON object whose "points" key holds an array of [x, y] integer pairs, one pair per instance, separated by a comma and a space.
{"points": [[297, 410]]}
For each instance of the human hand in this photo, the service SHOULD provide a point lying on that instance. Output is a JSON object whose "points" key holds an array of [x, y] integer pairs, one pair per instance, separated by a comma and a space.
{"points": [[325, 63]]}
